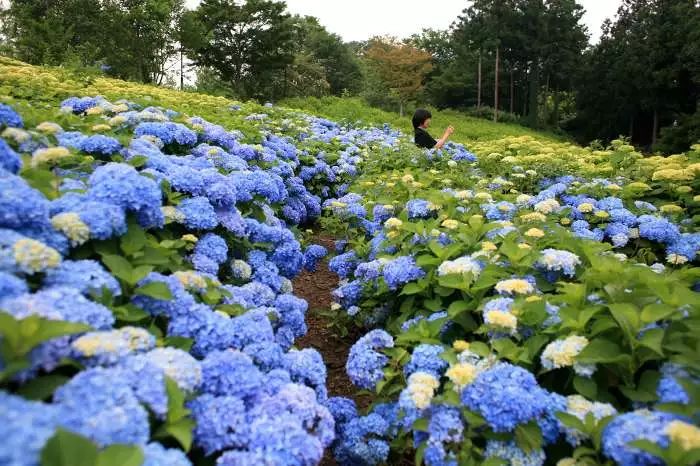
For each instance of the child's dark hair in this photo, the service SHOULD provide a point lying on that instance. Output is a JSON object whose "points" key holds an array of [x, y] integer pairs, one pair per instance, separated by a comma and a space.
{"points": [[420, 116]]}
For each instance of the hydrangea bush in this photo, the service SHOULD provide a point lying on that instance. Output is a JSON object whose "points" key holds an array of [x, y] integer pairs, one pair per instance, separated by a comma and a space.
{"points": [[525, 301], [541, 295]]}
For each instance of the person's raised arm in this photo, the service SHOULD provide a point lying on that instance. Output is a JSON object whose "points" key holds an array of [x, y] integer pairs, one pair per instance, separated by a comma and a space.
{"points": [[445, 137]]}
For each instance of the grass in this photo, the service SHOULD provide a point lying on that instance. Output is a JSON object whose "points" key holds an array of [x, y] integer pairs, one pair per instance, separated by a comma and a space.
{"points": [[467, 129], [38, 88]]}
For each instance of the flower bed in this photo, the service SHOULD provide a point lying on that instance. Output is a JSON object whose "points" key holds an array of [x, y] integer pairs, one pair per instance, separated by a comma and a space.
{"points": [[537, 305]]}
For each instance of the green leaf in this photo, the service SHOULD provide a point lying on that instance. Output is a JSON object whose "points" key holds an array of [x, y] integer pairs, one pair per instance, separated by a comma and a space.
{"points": [[528, 436], [120, 267], [657, 311], [134, 240], [457, 307], [19, 337], [411, 288], [138, 161], [156, 290], [421, 425], [182, 432], [627, 316], [42, 179], [68, 449], [601, 350], [42, 388], [129, 313], [569, 420], [649, 447], [480, 348], [182, 343], [586, 387], [140, 272], [653, 339], [121, 455]]}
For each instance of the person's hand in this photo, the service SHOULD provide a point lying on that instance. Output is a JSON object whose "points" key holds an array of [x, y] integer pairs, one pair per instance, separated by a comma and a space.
{"points": [[450, 129]]}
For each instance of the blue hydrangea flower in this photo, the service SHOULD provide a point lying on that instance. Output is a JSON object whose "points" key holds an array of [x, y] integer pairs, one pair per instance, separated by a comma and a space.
{"points": [[211, 331], [8, 117], [306, 366], [512, 454], [100, 145], [365, 366], [11, 286], [267, 355], [292, 311], [426, 358], [362, 440], [343, 410], [177, 364], [169, 133], [212, 246], [669, 390], [100, 406], [506, 396], [418, 208], [349, 294], [687, 245], [87, 276], [120, 184], [230, 372], [658, 229], [26, 427], [636, 425], [555, 262], [313, 255], [400, 271], [344, 264], [157, 455], [199, 213], [221, 422], [9, 159], [32, 211], [80, 105]]}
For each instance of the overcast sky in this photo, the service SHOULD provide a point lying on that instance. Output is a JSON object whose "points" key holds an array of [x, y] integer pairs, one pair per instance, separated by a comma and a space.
{"points": [[362, 19]]}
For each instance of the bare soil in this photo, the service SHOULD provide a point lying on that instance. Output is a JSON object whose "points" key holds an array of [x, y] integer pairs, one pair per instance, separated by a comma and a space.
{"points": [[316, 288]]}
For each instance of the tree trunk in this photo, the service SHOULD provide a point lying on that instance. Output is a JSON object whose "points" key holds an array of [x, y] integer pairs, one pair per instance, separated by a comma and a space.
{"points": [[533, 93], [182, 67], [631, 133], [478, 87], [557, 98], [545, 108], [512, 93], [401, 108], [656, 127], [495, 91]]}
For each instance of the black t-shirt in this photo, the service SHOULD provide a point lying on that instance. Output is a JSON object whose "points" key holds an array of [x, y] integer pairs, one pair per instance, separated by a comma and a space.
{"points": [[423, 139]]}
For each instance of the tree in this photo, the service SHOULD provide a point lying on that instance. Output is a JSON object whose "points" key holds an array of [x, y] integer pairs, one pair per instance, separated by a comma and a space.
{"points": [[340, 64], [245, 42], [146, 37], [643, 75], [445, 85], [133, 38], [401, 67]]}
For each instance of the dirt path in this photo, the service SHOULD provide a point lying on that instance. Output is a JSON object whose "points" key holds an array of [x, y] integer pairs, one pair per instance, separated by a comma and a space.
{"points": [[316, 289]]}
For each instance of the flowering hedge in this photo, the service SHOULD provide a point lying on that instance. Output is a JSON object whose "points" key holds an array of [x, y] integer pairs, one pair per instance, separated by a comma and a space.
{"points": [[146, 257], [537, 305], [525, 301]]}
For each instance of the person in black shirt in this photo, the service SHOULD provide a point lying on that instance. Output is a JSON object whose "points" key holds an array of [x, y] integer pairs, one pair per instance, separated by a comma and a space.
{"points": [[421, 121]]}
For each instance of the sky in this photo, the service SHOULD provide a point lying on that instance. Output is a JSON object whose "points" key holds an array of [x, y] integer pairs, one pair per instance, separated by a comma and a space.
{"points": [[362, 19]]}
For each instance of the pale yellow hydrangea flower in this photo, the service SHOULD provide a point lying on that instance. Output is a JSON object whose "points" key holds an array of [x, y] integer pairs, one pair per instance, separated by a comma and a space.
{"points": [[69, 224], [684, 434], [34, 256]]}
